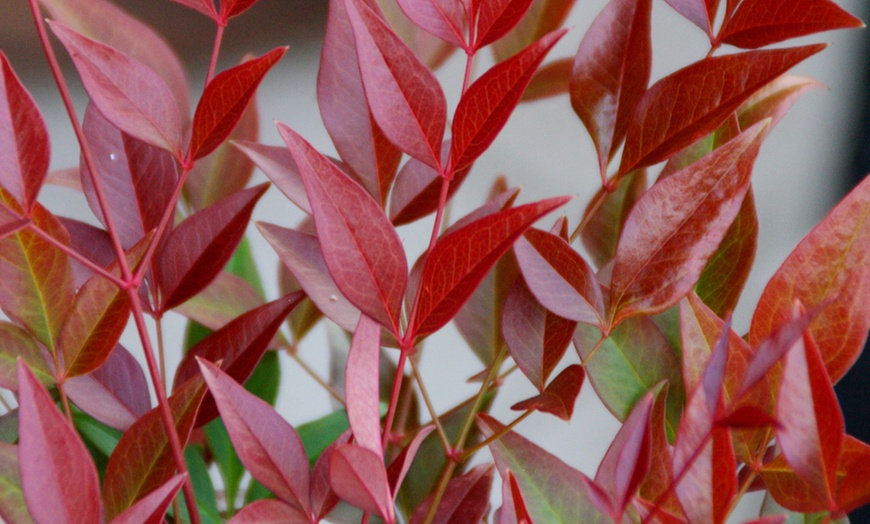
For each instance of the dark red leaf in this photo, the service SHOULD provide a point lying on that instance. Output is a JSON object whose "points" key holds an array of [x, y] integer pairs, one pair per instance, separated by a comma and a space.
{"points": [[16, 343], [442, 18], [360, 247], [692, 102], [278, 165], [485, 107], [361, 385], [611, 72], [323, 499], [702, 13], [268, 511], [128, 93], [832, 261], [231, 8], [465, 499], [495, 19], [142, 460], [542, 17], [747, 417], [202, 244], [659, 479], [58, 477], [224, 101], [402, 464], [852, 489], [403, 95], [24, 145], [152, 507], [550, 80], [559, 277], [758, 23], [513, 509], [358, 476], [461, 259], [92, 242], [417, 191], [115, 393], [677, 225], [267, 445], [559, 396]]}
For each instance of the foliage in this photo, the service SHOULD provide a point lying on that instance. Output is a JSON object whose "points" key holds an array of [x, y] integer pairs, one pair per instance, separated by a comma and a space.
{"points": [[707, 415]]}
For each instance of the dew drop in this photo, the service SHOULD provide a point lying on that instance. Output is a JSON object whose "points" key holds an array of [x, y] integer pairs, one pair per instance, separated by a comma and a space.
{"points": [[112, 156], [333, 298]]}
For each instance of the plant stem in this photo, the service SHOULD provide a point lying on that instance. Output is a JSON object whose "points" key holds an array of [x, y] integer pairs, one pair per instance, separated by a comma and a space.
{"points": [[428, 401], [65, 401], [215, 51], [394, 396], [158, 324], [85, 261], [495, 436]]}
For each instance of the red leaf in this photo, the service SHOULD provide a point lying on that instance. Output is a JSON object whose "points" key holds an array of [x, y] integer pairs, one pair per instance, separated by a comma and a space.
{"points": [[758, 23], [323, 499], [442, 18], [513, 509], [692, 102], [58, 477], [677, 225], [239, 346], [606, 213], [658, 481], [611, 72], [278, 165], [550, 80], [24, 145], [831, 262], [485, 107], [495, 19], [403, 95], [627, 460], [301, 254], [224, 101], [358, 476], [36, 282], [461, 259], [702, 13], [142, 460], [810, 432], [852, 489], [542, 17], [559, 396], [360, 247], [127, 92], [465, 499], [399, 467], [231, 8], [345, 112], [559, 277], [205, 7], [17, 344], [116, 393], [227, 297], [268, 511], [107, 23], [417, 191], [267, 445], [774, 100], [138, 179], [199, 247], [535, 337], [361, 385], [92, 242], [152, 507]]}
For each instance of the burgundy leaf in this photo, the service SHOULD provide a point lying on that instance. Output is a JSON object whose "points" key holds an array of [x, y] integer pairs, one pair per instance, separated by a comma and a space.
{"points": [[345, 112], [399, 467], [127, 92], [205, 7], [461, 259], [239, 346], [268, 511], [403, 95], [225, 100], [702, 13], [202, 244], [442, 18], [231, 8], [115, 393], [677, 225], [495, 19], [358, 476], [513, 509], [360, 247], [611, 72], [137, 179], [485, 107], [16, 343], [361, 385], [301, 254], [692, 102], [267, 445], [92, 242], [758, 23], [24, 145], [152, 507], [58, 477], [559, 277], [142, 460], [535, 337], [278, 165], [465, 499], [417, 191], [323, 499], [559, 396]]}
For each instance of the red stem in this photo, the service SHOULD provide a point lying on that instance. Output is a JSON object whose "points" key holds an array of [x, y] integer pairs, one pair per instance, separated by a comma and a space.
{"points": [[215, 51]]}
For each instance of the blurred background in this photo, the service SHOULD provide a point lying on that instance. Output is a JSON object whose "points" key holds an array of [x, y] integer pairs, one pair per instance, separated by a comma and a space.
{"points": [[805, 167]]}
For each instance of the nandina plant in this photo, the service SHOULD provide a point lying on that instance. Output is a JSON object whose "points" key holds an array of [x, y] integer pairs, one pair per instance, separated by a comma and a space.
{"points": [[642, 285]]}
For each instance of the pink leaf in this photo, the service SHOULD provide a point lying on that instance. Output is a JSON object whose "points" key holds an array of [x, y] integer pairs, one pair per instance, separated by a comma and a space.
{"points": [[559, 396], [358, 476], [702, 13], [224, 101], [152, 507], [462, 258], [442, 18], [360, 247], [127, 92], [677, 225], [404, 96], [496, 18], [278, 165], [58, 477], [267, 445], [465, 499], [611, 72], [199, 247], [485, 107], [24, 145], [268, 511], [361, 385]]}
